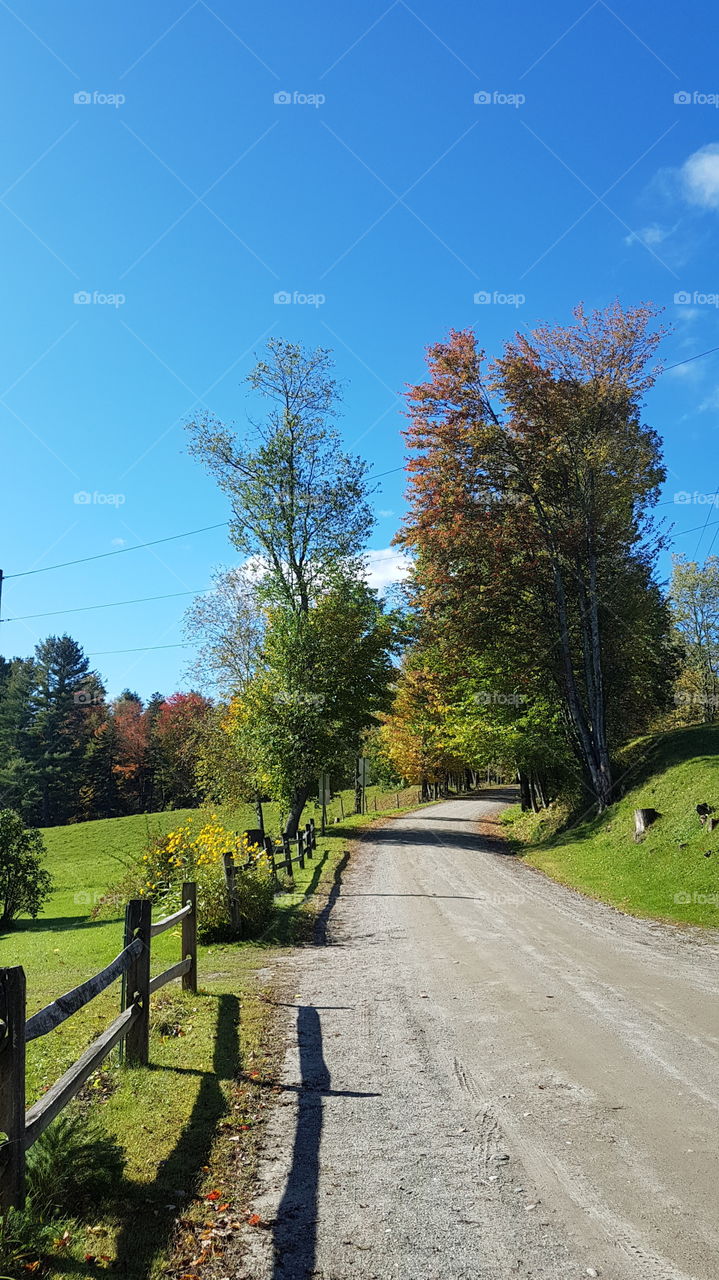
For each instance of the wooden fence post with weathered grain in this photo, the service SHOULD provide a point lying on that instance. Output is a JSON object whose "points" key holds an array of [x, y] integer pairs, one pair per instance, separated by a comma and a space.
{"points": [[234, 906], [301, 848], [286, 849], [12, 1088], [189, 936], [309, 846], [138, 924], [313, 833]]}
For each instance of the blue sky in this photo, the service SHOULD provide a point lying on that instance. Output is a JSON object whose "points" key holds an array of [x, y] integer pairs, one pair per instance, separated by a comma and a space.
{"points": [[182, 197]]}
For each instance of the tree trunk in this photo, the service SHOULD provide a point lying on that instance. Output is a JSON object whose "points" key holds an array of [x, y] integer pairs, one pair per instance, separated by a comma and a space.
{"points": [[297, 804]]}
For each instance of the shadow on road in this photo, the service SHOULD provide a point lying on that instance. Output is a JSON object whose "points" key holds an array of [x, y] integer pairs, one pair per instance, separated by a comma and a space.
{"points": [[334, 893], [295, 1229]]}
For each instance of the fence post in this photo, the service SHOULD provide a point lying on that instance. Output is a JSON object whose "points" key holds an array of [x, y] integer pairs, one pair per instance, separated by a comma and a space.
{"points": [[288, 854], [301, 848], [189, 936], [313, 833], [12, 1088], [138, 917], [309, 846], [270, 850], [234, 906]]}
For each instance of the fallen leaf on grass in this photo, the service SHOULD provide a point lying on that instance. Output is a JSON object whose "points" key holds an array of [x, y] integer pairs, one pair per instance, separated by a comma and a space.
{"points": [[255, 1220], [213, 1195]]}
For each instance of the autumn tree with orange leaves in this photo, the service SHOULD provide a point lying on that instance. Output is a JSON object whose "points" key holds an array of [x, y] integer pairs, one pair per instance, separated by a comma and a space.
{"points": [[531, 488]]}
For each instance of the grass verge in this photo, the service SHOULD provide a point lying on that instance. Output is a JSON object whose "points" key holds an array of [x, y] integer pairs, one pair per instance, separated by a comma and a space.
{"points": [[673, 872]]}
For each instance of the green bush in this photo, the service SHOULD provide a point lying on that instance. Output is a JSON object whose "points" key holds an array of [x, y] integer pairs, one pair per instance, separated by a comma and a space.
{"points": [[24, 883], [189, 853]]}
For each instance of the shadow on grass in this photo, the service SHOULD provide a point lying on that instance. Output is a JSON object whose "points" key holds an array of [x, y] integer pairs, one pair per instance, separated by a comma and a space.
{"points": [[54, 924], [147, 1223]]}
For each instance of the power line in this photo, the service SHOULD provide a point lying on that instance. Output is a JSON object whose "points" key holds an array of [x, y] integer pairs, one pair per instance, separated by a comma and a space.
{"points": [[690, 358], [120, 551], [112, 604], [102, 653]]}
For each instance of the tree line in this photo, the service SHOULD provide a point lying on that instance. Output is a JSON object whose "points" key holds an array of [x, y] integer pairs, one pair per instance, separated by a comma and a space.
{"points": [[68, 754], [533, 636]]}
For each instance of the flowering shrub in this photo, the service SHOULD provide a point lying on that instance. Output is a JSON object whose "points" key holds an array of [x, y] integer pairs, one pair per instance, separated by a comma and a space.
{"points": [[191, 854]]}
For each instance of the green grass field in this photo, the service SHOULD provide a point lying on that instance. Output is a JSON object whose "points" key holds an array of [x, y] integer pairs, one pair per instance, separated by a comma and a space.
{"points": [[177, 1120], [667, 875]]}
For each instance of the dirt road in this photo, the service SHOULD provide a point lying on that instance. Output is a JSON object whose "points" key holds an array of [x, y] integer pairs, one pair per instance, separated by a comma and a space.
{"points": [[490, 1076]]}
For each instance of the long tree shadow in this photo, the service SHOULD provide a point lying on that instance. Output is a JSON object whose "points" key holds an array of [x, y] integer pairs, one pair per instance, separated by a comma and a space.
{"points": [[148, 1224], [322, 920], [295, 1229]]}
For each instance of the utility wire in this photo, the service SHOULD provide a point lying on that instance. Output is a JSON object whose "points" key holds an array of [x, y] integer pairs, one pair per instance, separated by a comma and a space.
{"points": [[149, 649], [120, 551], [112, 604]]}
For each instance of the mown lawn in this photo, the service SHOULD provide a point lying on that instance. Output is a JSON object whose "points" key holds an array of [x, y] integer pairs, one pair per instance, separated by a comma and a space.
{"points": [[673, 872], [188, 1124]]}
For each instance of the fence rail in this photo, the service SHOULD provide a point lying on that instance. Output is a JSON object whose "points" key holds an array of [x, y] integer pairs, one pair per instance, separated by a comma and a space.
{"points": [[132, 1026]]}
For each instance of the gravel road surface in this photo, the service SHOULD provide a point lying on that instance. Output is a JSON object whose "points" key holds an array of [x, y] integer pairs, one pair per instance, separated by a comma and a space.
{"points": [[489, 1076]]}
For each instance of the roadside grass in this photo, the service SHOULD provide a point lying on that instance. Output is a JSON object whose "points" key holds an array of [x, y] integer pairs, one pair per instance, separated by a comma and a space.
{"points": [[189, 1124], [667, 875]]}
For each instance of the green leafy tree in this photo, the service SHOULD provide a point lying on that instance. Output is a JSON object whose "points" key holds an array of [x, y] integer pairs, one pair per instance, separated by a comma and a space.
{"points": [[301, 516], [694, 596], [24, 883]]}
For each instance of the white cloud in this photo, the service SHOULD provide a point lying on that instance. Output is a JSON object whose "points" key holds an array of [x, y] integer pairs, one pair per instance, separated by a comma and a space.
{"points": [[653, 234], [700, 177], [386, 566], [384, 515]]}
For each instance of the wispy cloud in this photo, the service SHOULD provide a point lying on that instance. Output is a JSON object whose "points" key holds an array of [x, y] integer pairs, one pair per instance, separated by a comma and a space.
{"points": [[385, 567]]}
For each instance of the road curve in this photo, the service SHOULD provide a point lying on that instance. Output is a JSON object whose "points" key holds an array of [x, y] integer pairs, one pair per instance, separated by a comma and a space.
{"points": [[489, 1076]]}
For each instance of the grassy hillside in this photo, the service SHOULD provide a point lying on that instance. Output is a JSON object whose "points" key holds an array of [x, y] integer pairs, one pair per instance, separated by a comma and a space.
{"points": [[667, 874]]}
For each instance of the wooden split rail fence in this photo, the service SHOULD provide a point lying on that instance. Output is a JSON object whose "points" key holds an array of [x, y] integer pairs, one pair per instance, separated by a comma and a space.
{"points": [[282, 855], [22, 1128]]}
